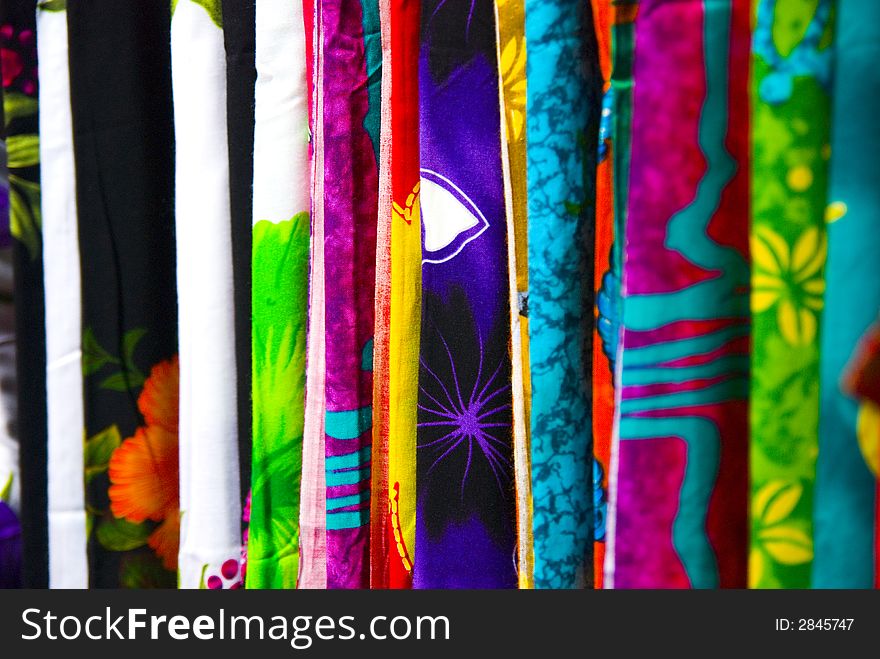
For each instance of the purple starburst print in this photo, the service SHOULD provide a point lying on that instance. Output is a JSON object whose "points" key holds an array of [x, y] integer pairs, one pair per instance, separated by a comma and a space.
{"points": [[464, 406], [472, 422]]}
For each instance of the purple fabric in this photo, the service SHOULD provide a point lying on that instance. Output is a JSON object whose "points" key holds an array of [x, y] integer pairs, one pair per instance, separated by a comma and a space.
{"points": [[350, 205], [10, 548], [465, 521]]}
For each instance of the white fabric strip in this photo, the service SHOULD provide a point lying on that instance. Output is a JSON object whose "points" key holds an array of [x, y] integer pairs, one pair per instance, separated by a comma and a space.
{"points": [[68, 561], [210, 526], [281, 131]]}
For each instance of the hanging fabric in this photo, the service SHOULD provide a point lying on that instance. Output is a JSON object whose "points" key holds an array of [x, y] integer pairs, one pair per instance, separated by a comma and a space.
{"points": [[68, 564], [609, 299], [562, 122], [679, 499], [398, 302], [790, 97], [313, 506], [279, 294], [351, 82], [20, 110], [511, 53], [849, 430], [123, 144], [241, 74], [210, 505], [466, 504], [602, 377]]}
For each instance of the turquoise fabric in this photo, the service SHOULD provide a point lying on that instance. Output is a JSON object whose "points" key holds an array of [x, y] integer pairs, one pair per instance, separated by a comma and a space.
{"points": [[563, 108], [845, 488]]}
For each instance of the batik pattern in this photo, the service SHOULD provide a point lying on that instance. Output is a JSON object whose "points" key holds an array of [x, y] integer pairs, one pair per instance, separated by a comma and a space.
{"points": [[790, 89], [562, 122], [680, 498]]}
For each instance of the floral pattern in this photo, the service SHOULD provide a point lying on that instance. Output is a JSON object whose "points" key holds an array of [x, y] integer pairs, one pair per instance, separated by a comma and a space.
{"points": [[789, 280], [143, 481], [790, 147], [18, 56], [779, 537]]}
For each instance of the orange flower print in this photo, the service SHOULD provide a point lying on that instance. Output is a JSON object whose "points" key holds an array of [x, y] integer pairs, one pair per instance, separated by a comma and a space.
{"points": [[144, 469], [143, 476], [159, 399], [165, 540]]}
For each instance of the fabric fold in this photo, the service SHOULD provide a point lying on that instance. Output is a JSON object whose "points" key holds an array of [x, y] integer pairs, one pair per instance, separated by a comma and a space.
{"points": [[279, 293], [210, 505], [68, 564], [123, 143]]}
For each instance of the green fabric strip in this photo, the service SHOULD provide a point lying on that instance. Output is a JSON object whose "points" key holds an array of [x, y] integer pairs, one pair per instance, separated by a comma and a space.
{"points": [[280, 288], [791, 76]]}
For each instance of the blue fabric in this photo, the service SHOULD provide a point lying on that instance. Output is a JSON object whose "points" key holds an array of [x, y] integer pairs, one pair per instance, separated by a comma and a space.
{"points": [[845, 488], [563, 109]]}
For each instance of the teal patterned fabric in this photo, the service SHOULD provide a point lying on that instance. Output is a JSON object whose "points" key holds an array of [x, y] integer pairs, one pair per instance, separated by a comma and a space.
{"points": [[563, 108]]}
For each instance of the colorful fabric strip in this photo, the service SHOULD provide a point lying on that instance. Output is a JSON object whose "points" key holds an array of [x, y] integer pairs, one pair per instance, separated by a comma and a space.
{"points": [[123, 138], [466, 505], [562, 115], [399, 299], [681, 482], [380, 513], [351, 94], [280, 293], [313, 505], [609, 300], [791, 78], [603, 355]]}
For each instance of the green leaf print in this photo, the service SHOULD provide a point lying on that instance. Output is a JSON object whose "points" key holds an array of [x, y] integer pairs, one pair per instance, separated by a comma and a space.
{"points": [[144, 570], [16, 106], [24, 216], [22, 151], [53, 5], [118, 534], [95, 357], [213, 7], [99, 449], [6, 490]]}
